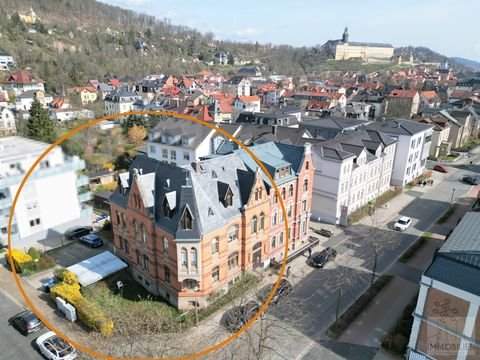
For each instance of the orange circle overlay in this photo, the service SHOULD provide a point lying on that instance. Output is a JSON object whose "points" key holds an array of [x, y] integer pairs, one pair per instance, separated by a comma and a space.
{"points": [[170, 114]]}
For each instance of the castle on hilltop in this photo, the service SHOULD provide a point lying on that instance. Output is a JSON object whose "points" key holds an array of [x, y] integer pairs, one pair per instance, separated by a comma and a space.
{"points": [[343, 49]]}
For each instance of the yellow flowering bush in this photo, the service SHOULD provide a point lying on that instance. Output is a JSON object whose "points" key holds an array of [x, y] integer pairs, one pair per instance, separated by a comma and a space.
{"points": [[69, 290], [19, 259]]}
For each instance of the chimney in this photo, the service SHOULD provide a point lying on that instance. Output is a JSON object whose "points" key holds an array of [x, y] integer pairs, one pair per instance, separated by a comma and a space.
{"points": [[307, 148], [274, 129]]}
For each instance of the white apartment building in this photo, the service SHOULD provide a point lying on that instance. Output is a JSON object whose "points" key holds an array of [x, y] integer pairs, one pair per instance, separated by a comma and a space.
{"points": [[51, 200], [120, 101], [6, 61], [247, 103], [350, 171], [181, 142], [413, 148]]}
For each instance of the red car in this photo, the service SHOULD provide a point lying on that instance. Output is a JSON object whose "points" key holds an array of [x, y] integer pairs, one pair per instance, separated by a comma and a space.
{"points": [[440, 168]]}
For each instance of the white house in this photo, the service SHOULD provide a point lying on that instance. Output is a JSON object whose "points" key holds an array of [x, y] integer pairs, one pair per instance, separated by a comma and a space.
{"points": [[7, 122], [6, 61], [247, 103], [413, 148], [181, 142], [238, 85], [71, 114], [350, 171], [24, 101], [273, 97], [22, 81], [51, 200], [119, 101]]}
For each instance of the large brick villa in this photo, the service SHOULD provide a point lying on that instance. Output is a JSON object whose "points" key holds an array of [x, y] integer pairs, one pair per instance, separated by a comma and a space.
{"points": [[191, 230]]}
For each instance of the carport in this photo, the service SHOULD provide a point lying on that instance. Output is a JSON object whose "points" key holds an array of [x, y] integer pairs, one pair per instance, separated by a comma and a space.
{"points": [[96, 268]]}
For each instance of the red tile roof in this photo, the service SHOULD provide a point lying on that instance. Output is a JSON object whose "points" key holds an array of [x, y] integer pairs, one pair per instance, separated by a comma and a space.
{"points": [[249, 98], [115, 82], [224, 98], [429, 94], [22, 77], [59, 102], [318, 105], [403, 93]]}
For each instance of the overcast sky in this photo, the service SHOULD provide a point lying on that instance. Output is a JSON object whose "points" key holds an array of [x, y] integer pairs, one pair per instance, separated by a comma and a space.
{"points": [[446, 26]]}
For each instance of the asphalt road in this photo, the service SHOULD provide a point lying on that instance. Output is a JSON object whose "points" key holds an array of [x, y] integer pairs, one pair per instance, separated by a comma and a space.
{"points": [[314, 299], [13, 345]]}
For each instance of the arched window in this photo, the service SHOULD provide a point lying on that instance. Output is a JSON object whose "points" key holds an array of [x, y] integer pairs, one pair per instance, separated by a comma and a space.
{"points": [[280, 239], [193, 257], [262, 221], [124, 220], [144, 234], [290, 190], [233, 261], [275, 197], [187, 220], [307, 165], [118, 218], [273, 243], [274, 219], [184, 257], [254, 225], [305, 185], [233, 233], [165, 246], [215, 245], [135, 229], [284, 192]]}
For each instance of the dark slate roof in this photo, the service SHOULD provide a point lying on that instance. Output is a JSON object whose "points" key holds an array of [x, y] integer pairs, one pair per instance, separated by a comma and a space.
{"points": [[334, 123], [180, 128], [272, 118], [458, 260], [199, 192], [457, 272], [235, 80], [399, 127]]}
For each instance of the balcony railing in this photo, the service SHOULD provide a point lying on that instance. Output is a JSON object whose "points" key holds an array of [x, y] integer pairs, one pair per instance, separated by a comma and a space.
{"points": [[71, 164], [82, 180], [86, 196]]}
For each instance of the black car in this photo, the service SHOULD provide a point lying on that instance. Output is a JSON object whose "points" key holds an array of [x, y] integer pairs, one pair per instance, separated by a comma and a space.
{"points": [[27, 322], [472, 180], [91, 240], [320, 259], [233, 320], [77, 232], [284, 288]]}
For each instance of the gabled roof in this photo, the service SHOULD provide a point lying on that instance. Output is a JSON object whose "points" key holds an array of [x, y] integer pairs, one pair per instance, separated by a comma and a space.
{"points": [[403, 93], [399, 127], [22, 77]]}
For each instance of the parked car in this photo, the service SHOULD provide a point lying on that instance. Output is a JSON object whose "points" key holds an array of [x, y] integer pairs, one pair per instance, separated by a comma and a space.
{"points": [[47, 285], [91, 240], [284, 288], [77, 232], [27, 322], [233, 320], [402, 224], [472, 180], [320, 259], [55, 348], [101, 218], [440, 168]]}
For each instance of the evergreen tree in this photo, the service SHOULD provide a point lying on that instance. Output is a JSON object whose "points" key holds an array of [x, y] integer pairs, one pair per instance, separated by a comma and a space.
{"points": [[133, 120], [39, 125]]}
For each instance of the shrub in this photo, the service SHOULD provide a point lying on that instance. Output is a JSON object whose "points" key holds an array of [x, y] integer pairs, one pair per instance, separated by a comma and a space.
{"points": [[19, 259], [399, 343], [69, 290], [107, 225], [34, 254], [45, 262]]}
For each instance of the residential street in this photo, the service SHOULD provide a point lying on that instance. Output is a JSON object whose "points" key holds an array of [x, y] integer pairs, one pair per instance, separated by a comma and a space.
{"points": [[13, 344]]}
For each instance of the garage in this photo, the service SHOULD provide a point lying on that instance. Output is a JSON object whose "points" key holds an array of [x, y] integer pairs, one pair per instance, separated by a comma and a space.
{"points": [[96, 268]]}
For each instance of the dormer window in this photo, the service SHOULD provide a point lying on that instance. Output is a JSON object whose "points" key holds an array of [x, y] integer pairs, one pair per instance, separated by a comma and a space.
{"points": [[214, 174], [185, 141], [229, 198], [167, 184], [187, 219], [169, 204], [225, 194], [210, 212]]}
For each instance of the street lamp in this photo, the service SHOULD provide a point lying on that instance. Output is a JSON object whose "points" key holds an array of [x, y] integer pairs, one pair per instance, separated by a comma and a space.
{"points": [[453, 194], [195, 290]]}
